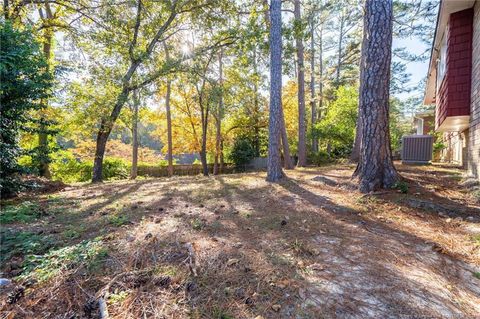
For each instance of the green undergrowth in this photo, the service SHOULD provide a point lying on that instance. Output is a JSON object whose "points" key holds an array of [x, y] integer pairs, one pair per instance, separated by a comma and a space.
{"points": [[87, 254], [21, 243], [24, 213]]}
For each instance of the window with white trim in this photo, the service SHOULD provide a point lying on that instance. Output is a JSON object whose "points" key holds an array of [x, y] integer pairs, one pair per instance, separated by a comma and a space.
{"points": [[442, 59]]}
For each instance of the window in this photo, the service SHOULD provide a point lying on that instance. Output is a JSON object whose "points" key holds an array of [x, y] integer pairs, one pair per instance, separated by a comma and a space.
{"points": [[442, 59], [419, 126]]}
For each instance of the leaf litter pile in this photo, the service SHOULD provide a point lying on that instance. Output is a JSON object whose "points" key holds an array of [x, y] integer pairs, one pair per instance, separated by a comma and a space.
{"points": [[235, 246]]}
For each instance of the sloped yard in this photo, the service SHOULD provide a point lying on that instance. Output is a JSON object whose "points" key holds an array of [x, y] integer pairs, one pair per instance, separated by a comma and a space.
{"points": [[235, 246]]}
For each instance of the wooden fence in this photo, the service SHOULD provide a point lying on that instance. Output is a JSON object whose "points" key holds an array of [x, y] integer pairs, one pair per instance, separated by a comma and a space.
{"points": [[180, 170]]}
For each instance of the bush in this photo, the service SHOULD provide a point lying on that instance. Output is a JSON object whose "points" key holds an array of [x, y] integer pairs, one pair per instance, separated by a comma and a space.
{"points": [[24, 82], [67, 168], [242, 151], [115, 168], [319, 158]]}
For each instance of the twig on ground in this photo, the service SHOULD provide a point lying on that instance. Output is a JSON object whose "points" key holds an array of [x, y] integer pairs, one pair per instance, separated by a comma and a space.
{"points": [[373, 194], [192, 260], [102, 306]]}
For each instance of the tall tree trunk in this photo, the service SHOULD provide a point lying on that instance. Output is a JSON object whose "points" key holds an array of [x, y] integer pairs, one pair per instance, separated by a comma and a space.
{"points": [[169, 129], [375, 167], [203, 151], [320, 75], [136, 102], [287, 159], [169, 118], [102, 137], [218, 137], [274, 163], [5, 9], [222, 159], [340, 47], [357, 143], [43, 166], [355, 155], [302, 149], [218, 123], [313, 105], [256, 104]]}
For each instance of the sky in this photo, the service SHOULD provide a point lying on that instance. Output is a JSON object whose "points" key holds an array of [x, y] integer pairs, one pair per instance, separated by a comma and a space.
{"points": [[418, 70]]}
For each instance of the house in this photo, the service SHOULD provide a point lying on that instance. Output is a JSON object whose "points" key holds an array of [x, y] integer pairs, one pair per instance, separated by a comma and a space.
{"points": [[453, 81], [424, 122]]}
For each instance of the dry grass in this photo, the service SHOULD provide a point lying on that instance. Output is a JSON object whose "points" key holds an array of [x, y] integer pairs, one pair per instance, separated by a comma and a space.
{"points": [[310, 246]]}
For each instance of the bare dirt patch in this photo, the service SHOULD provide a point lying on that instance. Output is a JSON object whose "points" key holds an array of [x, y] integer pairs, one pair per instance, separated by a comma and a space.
{"points": [[235, 246]]}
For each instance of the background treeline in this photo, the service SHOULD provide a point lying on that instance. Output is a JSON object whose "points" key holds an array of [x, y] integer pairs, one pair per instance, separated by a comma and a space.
{"points": [[93, 88]]}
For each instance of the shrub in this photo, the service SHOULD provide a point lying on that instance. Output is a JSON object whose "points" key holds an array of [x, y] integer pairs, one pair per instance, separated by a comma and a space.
{"points": [[118, 220], [24, 82], [242, 151], [115, 168], [319, 158], [67, 168], [401, 186]]}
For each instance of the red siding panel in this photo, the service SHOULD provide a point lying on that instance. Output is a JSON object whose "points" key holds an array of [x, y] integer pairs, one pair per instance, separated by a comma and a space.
{"points": [[454, 94]]}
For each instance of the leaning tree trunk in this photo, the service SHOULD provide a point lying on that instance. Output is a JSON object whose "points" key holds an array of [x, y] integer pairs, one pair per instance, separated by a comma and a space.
{"points": [[136, 102], [375, 167], [302, 148], [102, 138], [106, 125], [274, 163]]}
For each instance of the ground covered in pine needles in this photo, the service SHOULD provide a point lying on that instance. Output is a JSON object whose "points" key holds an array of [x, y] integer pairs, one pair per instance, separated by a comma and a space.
{"points": [[235, 246]]}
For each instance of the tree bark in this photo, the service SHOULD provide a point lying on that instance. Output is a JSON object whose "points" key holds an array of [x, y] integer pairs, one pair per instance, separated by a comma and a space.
{"points": [[169, 118], [274, 164], [287, 159], [340, 48], [136, 102], [203, 151], [357, 143], [375, 167], [302, 149], [106, 125], [355, 155], [218, 118], [256, 104], [5, 9], [320, 76], [43, 165], [102, 137], [313, 105]]}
